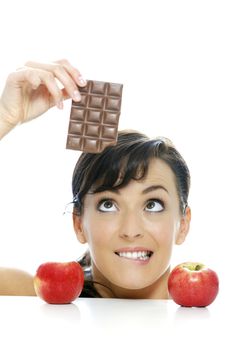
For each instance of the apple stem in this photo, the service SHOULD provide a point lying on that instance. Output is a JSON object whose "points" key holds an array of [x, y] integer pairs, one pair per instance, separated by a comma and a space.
{"points": [[197, 267]]}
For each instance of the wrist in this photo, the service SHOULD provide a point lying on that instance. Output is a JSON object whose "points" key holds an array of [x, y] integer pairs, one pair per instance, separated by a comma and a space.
{"points": [[5, 124]]}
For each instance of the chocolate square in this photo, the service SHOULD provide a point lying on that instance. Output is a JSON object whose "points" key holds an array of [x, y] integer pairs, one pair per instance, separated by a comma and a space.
{"points": [[94, 120]]}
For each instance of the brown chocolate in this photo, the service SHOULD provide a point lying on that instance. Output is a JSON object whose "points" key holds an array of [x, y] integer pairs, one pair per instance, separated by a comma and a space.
{"points": [[94, 120]]}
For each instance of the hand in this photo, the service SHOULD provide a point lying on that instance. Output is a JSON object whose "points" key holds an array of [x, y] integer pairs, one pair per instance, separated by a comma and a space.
{"points": [[33, 89]]}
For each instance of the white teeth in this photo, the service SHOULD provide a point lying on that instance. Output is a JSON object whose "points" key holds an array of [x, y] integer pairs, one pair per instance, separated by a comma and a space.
{"points": [[143, 255]]}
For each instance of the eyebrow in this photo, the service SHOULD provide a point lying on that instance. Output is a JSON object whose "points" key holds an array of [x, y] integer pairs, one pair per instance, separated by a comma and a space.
{"points": [[154, 188]]}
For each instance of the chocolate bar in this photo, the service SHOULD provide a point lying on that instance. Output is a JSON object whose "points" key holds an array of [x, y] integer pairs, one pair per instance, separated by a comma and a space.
{"points": [[94, 120]]}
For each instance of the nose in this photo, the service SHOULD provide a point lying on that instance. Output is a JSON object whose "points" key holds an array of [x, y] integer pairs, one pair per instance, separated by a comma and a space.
{"points": [[130, 227]]}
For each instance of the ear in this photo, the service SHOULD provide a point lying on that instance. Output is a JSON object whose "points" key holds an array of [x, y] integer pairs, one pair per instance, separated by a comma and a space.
{"points": [[77, 223], [184, 226]]}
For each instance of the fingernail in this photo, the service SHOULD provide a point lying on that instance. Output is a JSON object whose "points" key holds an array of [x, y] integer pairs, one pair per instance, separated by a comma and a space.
{"points": [[60, 105], [76, 96], [82, 80]]}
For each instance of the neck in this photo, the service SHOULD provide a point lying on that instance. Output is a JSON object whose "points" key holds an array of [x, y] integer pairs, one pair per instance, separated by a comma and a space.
{"points": [[158, 290]]}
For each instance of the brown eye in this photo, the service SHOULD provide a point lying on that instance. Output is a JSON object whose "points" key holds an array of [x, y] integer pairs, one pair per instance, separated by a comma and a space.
{"points": [[154, 205], [106, 205]]}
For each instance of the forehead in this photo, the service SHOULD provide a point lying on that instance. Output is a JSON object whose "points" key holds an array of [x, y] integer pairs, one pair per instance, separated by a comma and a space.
{"points": [[159, 172]]}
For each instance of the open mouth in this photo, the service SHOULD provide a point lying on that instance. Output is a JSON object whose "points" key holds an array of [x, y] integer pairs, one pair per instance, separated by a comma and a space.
{"points": [[140, 255]]}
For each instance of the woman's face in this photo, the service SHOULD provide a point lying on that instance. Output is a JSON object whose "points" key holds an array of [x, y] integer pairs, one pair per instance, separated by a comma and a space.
{"points": [[131, 231]]}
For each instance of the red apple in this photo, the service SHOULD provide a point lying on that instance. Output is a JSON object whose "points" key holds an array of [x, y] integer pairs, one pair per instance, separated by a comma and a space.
{"points": [[193, 284], [59, 283]]}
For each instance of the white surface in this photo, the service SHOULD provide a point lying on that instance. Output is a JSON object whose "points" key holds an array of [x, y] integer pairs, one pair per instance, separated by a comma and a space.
{"points": [[175, 59], [29, 323]]}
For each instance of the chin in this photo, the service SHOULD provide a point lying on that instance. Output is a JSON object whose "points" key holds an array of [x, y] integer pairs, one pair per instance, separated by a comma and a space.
{"points": [[133, 283]]}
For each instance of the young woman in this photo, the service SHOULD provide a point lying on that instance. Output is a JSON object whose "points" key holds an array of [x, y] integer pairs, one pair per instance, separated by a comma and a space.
{"points": [[130, 201]]}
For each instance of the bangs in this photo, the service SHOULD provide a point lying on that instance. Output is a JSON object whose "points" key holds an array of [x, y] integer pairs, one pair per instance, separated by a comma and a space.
{"points": [[116, 166], [116, 172]]}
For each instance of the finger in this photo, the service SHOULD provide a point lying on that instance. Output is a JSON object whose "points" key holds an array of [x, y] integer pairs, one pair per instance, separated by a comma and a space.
{"points": [[34, 78], [38, 77], [65, 94], [62, 75], [49, 81], [74, 72], [67, 81]]}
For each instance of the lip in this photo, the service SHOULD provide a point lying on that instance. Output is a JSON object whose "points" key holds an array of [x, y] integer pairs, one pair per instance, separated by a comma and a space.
{"points": [[133, 249]]}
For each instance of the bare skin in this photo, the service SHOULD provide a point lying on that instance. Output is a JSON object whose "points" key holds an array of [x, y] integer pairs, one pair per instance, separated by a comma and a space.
{"points": [[33, 89], [144, 214], [16, 282], [28, 93]]}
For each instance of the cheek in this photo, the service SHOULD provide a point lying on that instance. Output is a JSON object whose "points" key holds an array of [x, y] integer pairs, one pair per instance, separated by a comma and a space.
{"points": [[164, 230], [98, 232], [100, 235]]}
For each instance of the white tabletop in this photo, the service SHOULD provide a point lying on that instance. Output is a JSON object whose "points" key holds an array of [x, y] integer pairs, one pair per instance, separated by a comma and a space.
{"points": [[30, 323]]}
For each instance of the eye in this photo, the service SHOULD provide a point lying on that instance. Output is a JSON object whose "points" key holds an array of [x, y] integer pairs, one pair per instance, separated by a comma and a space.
{"points": [[106, 205], [154, 205]]}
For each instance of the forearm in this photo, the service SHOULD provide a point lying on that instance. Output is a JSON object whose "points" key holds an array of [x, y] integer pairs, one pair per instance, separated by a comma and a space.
{"points": [[15, 282]]}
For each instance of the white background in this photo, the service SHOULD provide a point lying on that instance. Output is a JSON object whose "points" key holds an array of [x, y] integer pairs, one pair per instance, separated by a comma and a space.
{"points": [[175, 59]]}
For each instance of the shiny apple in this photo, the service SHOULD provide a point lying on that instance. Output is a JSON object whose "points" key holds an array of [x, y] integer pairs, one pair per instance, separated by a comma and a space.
{"points": [[59, 282], [193, 284]]}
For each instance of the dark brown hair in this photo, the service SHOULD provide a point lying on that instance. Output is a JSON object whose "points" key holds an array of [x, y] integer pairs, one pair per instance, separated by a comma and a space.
{"points": [[117, 165], [128, 160]]}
